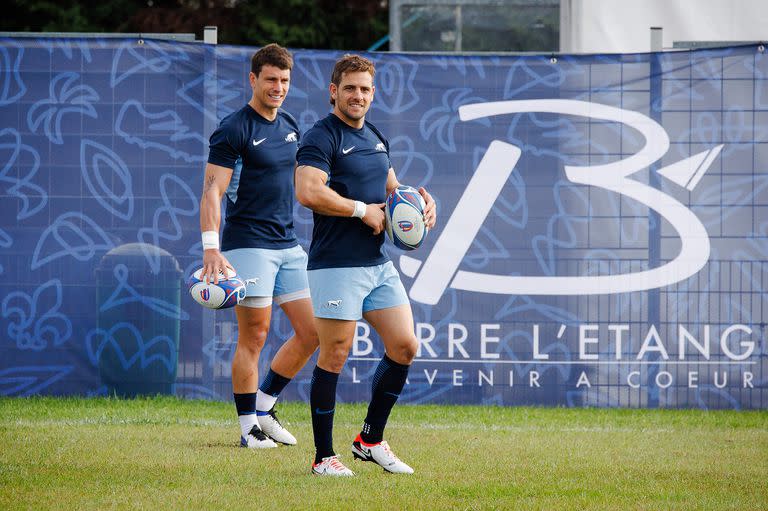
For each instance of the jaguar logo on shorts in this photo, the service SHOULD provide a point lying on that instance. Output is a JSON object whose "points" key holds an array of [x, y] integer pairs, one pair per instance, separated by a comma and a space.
{"points": [[333, 304]]}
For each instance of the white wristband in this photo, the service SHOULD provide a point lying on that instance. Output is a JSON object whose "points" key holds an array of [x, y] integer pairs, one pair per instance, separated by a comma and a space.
{"points": [[359, 209], [210, 240]]}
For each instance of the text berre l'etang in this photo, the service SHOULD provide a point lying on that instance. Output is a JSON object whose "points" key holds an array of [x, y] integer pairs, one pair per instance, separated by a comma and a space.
{"points": [[716, 355]]}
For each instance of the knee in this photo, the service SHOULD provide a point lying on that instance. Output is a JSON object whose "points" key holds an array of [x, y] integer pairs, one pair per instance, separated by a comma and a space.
{"points": [[405, 352], [335, 355], [308, 340], [252, 340]]}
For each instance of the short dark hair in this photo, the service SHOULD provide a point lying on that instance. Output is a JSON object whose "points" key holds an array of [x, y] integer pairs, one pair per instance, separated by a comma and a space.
{"points": [[271, 55], [351, 64]]}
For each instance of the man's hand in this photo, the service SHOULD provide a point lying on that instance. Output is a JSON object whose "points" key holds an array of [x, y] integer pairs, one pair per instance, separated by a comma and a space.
{"points": [[430, 211], [374, 217], [214, 263]]}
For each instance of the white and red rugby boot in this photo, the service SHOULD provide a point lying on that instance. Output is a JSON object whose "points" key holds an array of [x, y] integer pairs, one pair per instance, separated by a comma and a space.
{"points": [[380, 454], [331, 466]]}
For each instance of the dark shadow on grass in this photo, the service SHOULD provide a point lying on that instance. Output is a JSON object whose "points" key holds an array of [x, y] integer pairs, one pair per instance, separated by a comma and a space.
{"points": [[222, 444]]}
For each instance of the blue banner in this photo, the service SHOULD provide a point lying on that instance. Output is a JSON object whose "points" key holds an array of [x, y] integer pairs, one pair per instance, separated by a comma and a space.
{"points": [[601, 240]]}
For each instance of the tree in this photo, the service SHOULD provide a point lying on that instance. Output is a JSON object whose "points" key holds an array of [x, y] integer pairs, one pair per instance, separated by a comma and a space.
{"points": [[332, 24]]}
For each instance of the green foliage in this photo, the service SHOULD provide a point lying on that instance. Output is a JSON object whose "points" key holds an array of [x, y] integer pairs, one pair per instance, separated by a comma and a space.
{"points": [[68, 15], [166, 453], [346, 25], [263, 23]]}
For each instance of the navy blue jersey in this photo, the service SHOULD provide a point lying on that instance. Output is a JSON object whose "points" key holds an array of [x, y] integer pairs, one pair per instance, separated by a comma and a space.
{"points": [[262, 156], [357, 163]]}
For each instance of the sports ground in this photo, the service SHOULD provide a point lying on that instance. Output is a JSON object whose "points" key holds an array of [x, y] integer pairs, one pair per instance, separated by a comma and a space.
{"points": [[165, 453]]}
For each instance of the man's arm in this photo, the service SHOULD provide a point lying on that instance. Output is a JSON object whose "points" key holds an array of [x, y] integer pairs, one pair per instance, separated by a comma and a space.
{"points": [[312, 192], [430, 212], [392, 181], [214, 186]]}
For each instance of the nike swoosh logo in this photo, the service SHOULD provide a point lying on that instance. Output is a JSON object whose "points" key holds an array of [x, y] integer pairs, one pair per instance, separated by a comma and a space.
{"points": [[257, 142], [345, 151], [318, 411], [392, 394]]}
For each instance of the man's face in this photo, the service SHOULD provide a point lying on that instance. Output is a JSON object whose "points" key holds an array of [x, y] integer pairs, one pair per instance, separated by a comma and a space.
{"points": [[353, 95], [271, 86]]}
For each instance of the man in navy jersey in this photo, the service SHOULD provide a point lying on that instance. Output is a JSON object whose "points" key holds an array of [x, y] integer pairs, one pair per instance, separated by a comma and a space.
{"points": [[344, 174], [252, 160]]}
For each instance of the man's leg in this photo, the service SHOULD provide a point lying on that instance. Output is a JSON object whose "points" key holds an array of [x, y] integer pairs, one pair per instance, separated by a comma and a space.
{"points": [[295, 352], [395, 327], [252, 325], [288, 361], [335, 338]]}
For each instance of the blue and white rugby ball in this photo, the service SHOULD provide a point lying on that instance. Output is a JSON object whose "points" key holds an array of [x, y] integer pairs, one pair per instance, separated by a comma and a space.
{"points": [[227, 293], [404, 212]]}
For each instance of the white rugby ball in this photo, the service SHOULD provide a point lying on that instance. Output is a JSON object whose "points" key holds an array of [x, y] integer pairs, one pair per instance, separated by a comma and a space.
{"points": [[227, 293], [404, 212]]}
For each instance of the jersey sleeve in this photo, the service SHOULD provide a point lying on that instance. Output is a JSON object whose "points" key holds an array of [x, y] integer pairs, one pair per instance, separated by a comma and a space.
{"points": [[316, 150], [223, 150], [384, 140], [389, 155]]}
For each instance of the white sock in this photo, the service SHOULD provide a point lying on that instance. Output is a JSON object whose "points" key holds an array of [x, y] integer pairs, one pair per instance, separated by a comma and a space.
{"points": [[264, 402], [247, 422]]}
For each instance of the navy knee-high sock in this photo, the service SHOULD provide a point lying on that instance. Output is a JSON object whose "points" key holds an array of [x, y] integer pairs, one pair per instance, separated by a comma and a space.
{"points": [[387, 384], [322, 399], [273, 383]]}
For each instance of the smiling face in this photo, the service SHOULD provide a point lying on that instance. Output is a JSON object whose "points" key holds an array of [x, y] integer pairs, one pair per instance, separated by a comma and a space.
{"points": [[352, 97], [269, 90]]}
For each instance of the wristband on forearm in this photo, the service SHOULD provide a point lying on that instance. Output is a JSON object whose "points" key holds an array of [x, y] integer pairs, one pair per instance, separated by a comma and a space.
{"points": [[210, 240], [359, 209]]}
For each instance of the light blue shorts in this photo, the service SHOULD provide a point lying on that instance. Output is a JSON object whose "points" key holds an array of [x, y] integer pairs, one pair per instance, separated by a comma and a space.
{"points": [[346, 293], [269, 273]]}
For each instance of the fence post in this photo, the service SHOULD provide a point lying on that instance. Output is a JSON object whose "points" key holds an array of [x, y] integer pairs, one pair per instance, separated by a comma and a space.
{"points": [[654, 220]]}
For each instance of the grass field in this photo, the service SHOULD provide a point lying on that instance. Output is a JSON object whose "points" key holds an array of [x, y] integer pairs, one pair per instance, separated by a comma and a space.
{"points": [[165, 453]]}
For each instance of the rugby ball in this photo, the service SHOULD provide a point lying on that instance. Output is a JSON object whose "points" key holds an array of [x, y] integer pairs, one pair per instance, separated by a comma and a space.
{"points": [[404, 212], [227, 293]]}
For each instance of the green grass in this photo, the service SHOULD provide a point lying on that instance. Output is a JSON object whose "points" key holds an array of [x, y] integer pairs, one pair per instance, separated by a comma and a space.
{"points": [[165, 453]]}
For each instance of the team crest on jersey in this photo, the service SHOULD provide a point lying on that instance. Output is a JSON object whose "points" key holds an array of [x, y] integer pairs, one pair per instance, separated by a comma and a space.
{"points": [[291, 137], [380, 147]]}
